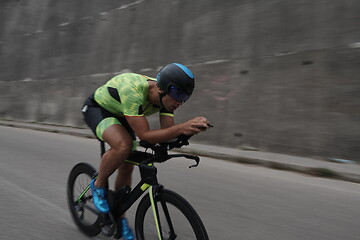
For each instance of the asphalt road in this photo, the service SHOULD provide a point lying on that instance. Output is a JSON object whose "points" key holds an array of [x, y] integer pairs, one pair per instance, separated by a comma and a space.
{"points": [[235, 201]]}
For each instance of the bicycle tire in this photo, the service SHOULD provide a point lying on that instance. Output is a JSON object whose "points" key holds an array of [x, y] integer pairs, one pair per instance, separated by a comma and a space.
{"points": [[175, 201], [90, 229]]}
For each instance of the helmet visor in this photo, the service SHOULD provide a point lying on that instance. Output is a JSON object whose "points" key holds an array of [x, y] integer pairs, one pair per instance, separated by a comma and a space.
{"points": [[178, 95]]}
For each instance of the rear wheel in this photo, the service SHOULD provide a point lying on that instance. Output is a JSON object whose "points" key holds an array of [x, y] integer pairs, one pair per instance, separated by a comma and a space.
{"points": [[177, 218], [79, 200]]}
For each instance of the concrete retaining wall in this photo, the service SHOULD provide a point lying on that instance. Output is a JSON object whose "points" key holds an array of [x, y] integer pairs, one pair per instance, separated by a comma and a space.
{"points": [[277, 75]]}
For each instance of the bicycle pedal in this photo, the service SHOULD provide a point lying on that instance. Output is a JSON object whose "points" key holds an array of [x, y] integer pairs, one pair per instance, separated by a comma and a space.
{"points": [[107, 225], [108, 230]]}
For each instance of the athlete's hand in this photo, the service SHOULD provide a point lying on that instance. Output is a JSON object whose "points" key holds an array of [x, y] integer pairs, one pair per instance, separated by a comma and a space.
{"points": [[195, 126]]}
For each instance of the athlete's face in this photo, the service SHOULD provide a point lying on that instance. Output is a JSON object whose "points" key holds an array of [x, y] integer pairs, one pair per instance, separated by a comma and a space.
{"points": [[170, 103]]}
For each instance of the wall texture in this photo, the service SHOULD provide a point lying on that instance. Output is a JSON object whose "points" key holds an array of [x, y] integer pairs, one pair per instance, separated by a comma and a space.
{"points": [[277, 75]]}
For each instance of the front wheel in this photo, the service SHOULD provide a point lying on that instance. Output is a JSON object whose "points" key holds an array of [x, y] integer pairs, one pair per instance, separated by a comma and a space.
{"points": [[177, 218]]}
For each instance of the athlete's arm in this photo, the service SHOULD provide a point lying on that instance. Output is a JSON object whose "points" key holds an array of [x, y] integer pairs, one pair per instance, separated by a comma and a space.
{"points": [[141, 128], [166, 121]]}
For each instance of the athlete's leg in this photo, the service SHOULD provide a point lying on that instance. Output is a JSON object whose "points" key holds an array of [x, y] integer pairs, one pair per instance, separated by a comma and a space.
{"points": [[121, 144], [125, 170], [120, 147], [123, 177]]}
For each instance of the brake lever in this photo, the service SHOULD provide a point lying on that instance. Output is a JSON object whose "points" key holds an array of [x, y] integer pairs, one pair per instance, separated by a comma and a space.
{"points": [[197, 163], [195, 158]]}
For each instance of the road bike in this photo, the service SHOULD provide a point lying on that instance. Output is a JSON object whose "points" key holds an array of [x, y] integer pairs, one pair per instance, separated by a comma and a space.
{"points": [[161, 213]]}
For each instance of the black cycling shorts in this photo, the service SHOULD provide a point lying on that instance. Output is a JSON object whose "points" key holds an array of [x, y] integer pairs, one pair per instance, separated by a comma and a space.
{"points": [[98, 119]]}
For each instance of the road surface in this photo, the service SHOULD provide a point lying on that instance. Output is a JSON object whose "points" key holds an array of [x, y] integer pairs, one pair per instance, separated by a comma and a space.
{"points": [[235, 201]]}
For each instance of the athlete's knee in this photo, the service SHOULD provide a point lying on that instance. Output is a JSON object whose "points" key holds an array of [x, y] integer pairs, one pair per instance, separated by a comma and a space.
{"points": [[121, 143], [124, 146], [120, 151]]}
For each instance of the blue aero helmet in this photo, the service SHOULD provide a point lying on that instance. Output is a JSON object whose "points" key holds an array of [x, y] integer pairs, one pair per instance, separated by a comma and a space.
{"points": [[177, 81]]}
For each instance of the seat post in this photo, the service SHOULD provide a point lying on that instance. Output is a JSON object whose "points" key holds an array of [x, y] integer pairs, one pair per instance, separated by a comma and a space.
{"points": [[102, 146]]}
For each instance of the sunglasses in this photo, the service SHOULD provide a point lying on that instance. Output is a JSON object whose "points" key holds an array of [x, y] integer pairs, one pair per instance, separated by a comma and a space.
{"points": [[178, 95]]}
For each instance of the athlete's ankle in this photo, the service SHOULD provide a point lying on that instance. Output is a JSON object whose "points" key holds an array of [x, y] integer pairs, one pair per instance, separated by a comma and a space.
{"points": [[99, 184]]}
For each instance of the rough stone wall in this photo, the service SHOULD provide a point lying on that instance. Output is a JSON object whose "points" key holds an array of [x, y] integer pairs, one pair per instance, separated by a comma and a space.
{"points": [[276, 75]]}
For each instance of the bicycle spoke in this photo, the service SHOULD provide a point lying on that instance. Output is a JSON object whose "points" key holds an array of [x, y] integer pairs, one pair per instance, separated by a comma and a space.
{"points": [[93, 210], [168, 219]]}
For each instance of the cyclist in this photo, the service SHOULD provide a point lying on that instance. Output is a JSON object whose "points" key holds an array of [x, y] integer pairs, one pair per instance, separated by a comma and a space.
{"points": [[117, 111]]}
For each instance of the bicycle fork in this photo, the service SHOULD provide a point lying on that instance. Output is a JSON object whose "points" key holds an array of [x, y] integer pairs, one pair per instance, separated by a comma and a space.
{"points": [[154, 191], [148, 175], [152, 194]]}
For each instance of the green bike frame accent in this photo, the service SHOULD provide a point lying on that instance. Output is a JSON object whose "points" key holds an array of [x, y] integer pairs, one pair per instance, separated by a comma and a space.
{"points": [[82, 194], [155, 212], [144, 187]]}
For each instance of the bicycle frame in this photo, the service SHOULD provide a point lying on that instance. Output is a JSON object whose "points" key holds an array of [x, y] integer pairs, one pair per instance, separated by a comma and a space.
{"points": [[148, 181]]}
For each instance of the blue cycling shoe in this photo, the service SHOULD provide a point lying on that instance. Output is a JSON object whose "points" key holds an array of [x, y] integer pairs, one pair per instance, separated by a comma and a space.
{"points": [[99, 198], [123, 230]]}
